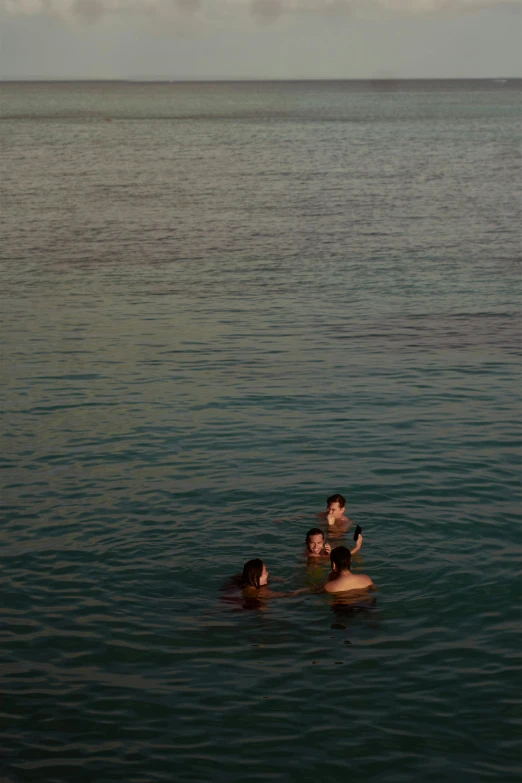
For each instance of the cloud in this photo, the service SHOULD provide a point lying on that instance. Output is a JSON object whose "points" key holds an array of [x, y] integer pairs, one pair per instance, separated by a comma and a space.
{"points": [[92, 10]]}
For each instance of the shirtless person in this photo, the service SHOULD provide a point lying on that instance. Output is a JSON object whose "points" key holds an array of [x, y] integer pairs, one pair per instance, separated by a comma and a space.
{"points": [[315, 543], [341, 579], [335, 508], [335, 517], [337, 522], [317, 548]]}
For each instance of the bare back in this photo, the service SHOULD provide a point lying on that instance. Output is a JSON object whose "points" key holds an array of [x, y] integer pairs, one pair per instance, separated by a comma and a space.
{"points": [[348, 581]]}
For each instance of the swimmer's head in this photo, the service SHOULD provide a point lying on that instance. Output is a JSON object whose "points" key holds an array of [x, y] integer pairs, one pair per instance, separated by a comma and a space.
{"points": [[315, 540], [340, 558], [255, 573], [335, 505]]}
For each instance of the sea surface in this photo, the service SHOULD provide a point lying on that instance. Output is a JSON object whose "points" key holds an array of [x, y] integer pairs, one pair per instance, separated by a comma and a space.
{"points": [[221, 303]]}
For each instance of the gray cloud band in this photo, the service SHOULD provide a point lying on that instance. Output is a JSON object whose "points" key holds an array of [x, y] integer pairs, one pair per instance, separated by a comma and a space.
{"points": [[94, 9]]}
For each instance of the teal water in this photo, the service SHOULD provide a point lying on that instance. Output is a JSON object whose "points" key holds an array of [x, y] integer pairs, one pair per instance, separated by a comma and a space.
{"points": [[222, 303]]}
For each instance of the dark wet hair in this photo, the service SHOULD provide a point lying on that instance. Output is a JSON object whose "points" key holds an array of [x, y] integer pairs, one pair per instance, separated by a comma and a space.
{"points": [[336, 499], [314, 531], [341, 557], [252, 573]]}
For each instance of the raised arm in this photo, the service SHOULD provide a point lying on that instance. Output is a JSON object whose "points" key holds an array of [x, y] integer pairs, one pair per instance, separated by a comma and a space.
{"points": [[358, 544]]}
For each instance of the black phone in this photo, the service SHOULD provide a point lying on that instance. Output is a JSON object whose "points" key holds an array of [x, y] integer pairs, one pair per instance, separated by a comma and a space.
{"points": [[358, 531]]}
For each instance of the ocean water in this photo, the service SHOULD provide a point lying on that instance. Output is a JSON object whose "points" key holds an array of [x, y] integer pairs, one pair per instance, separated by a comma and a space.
{"points": [[221, 303]]}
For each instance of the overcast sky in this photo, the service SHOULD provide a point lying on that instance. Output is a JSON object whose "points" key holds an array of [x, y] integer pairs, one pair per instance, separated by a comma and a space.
{"points": [[244, 39]]}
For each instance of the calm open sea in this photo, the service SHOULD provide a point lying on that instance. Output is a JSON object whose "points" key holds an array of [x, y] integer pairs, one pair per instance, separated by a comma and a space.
{"points": [[221, 303]]}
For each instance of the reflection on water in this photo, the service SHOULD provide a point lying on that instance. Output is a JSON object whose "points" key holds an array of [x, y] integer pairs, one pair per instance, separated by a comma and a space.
{"points": [[344, 606]]}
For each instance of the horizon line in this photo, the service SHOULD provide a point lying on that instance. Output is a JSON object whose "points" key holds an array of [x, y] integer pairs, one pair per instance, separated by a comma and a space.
{"points": [[207, 80]]}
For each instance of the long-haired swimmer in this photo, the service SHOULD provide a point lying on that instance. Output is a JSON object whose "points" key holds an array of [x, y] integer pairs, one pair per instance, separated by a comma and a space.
{"points": [[255, 574], [254, 582]]}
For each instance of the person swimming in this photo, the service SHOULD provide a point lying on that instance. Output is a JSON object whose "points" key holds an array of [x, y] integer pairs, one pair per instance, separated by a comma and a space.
{"points": [[335, 508], [337, 521], [254, 582], [341, 578], [318, 547], [334, 516], [255, 574]]}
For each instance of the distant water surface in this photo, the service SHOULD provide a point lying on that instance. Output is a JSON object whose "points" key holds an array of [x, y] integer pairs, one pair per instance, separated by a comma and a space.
{"points": [[221, 303]]}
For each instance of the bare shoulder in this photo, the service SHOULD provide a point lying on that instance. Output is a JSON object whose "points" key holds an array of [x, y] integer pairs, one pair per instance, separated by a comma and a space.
{"points": [[356, 582], [329, 587]]}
